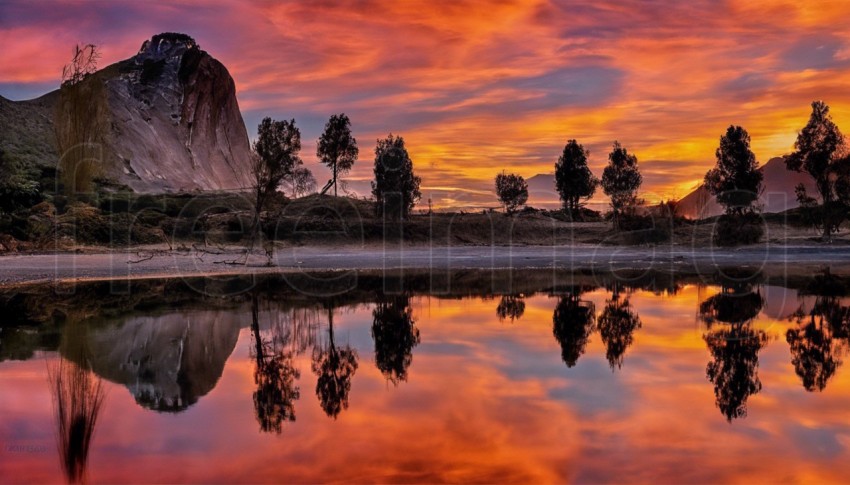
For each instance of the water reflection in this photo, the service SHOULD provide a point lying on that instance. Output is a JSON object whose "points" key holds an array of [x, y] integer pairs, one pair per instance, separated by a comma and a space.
{"points": [[485, 400], [274, 374], [334, 367], [395, 334], [734, 346], [511, 307], [78, 397], [573, 322], [818, 341], [617, 325], [167, 362]]}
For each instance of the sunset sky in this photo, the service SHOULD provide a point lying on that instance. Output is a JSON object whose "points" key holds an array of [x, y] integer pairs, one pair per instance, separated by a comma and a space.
{"points": [[477, 87]]}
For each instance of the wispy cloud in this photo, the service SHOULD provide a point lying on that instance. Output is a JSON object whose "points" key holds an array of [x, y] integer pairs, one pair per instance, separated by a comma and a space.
{"points": [[477, 87]]}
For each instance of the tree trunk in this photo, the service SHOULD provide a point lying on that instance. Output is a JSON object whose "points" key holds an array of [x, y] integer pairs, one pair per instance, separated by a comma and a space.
{"points": [[827, 221], [255, 327], [825, 190]]}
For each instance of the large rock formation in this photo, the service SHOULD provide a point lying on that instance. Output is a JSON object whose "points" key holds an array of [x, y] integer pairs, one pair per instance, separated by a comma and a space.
{"points": [[169, 121], [167, 362]]}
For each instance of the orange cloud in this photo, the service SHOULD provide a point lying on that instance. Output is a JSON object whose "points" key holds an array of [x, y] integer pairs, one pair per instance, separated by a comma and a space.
{"points": [[477, 87]]}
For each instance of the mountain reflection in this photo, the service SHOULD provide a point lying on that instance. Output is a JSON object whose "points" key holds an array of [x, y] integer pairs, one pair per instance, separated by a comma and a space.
{"points": [[334, 367], [617, 324], [818, 341], [78, 397], [169, 354], [395, 334], [573, 321], [734, 345]]}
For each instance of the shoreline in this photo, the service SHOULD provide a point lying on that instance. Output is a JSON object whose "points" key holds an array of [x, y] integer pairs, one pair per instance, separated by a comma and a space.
{"points": [[89, 265]]}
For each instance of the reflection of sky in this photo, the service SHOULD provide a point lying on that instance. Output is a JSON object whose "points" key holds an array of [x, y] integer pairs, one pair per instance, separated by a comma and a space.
{"points": [[485, 401], [478, 88]]}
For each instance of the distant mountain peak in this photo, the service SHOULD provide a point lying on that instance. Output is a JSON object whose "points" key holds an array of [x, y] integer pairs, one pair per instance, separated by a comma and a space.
{"points": [[777, 195]]}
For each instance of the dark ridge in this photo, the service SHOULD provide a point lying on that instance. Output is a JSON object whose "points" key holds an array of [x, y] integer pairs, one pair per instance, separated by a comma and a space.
{"points": [[175, 37], [189, 64]]}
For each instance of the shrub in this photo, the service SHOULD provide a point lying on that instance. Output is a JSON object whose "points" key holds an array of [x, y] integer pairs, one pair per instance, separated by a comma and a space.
{"points": [[641, 229], [738, 229]]}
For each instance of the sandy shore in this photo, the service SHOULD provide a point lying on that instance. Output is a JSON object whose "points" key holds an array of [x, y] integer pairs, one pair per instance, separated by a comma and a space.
{"points": [[151, 263]]}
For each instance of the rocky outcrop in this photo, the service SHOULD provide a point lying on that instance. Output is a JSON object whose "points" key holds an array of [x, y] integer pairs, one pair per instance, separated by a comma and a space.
{"points": [[169, 120], [167, 362]]}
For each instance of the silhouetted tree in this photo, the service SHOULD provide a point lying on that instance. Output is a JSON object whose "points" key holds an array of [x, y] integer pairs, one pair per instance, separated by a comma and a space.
{"points": [[818, 341], [275, 376], [819, 151], [512, 191], [275, 159], [510, 307], [621, 180], [395, 334], [78, 123], [396, 188], [337, 149], [573, 179], [573, 322], [334, 368], [736, 180], [617, 325]]}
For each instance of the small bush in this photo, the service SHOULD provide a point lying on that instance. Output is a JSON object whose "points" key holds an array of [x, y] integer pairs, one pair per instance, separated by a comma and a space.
{"points": [[737, 229], [638, 229]]}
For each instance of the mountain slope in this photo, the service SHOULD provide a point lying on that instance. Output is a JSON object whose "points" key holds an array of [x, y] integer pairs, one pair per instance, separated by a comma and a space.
{"points": [[778, 194], [26, 130]]}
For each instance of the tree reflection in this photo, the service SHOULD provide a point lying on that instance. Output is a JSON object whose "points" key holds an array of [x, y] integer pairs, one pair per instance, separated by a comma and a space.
{"points": [[617, 325], [734, 304], [78, 396], [510, 307], [275, 375], [395, 334], [573, 322], [334, 367], [818, 341], [734, 345]]}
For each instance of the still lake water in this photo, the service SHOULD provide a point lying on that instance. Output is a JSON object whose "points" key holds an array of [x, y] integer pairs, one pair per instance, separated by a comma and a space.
{"points": [[365, 379]]}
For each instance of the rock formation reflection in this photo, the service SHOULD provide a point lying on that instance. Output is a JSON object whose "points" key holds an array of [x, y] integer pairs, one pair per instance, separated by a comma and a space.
{"points": [[573, 322], [395, 334], [167, 362], [734, 346]]}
